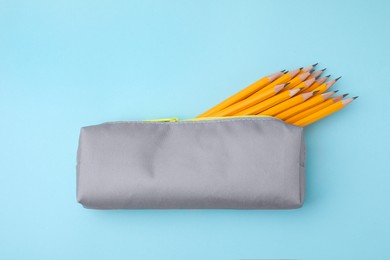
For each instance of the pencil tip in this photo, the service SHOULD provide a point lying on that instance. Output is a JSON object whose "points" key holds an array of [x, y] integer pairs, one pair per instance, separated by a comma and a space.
{"points": [[282, 70], [335, 91], [315, 64], [323, 69], [285, 72], [355, 97], [301, 68], [338, 78], [327, 76], [345, 95]]}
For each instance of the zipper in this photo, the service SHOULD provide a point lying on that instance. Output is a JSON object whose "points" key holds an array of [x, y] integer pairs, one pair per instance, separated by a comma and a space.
{"points": [[175, 119]]}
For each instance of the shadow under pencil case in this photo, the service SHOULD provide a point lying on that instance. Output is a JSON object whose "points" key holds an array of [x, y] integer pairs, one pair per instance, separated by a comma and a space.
{"points": [[228, 163]]}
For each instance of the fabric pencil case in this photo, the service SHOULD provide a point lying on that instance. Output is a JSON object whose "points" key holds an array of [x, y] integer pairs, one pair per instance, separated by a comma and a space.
{"points": [[252, 162]]}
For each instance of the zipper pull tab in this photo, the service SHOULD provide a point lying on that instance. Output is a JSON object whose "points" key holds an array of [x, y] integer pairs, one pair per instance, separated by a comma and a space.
{"points": [[173, 119]]}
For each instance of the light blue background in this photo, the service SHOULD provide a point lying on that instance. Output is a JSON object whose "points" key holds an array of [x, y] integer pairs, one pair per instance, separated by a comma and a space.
{"points": [[66, 64]]}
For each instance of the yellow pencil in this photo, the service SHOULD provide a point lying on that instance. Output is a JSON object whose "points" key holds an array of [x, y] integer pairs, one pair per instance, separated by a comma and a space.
{"points": [[282, 80], [305, 84], [325, 86], [308, 68], [314, 109], [323, 112], [246, 92], [316, 74], [305, 105], [256, 109], [287, 104], [297, 80], [250, 101], [317, 83]]}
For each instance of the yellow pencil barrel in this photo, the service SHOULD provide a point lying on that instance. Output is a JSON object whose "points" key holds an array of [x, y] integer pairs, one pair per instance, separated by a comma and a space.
{"points": [[256, 109], [286, 104], [248, 102], [282, 80], [323, 112], [242, 94], [317, 99], [297, 80]]}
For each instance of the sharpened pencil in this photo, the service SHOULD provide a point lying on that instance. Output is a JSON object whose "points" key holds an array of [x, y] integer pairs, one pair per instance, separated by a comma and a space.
{"points": [[323, 112], [282, 80], [298, 99], [316, 74], [325, 86], [305, 84], [305, 105], [314, 109], [256, 109], [317, 83], [277, 95], [298, 79], [246, 92], [250, 101]]}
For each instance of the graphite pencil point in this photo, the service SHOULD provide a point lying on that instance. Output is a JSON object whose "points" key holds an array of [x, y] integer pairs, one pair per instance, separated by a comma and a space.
{"points": [[355, 97], [345, 95], [315, 64], [328, 76], [335, 91], [338, 78], [323, 69]]}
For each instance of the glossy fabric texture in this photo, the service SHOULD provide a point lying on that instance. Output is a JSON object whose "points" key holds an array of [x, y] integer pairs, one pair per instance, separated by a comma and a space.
{"points": [[240, 163]]}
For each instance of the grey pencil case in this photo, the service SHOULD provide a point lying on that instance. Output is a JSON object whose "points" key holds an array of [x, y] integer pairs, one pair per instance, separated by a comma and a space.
{"points": [[230, 163]]}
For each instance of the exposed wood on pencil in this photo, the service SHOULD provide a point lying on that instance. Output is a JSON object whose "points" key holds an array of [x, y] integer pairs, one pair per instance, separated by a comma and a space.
{"points": [[256, 109], [277, 95], [287, 104], [323, 112]]}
